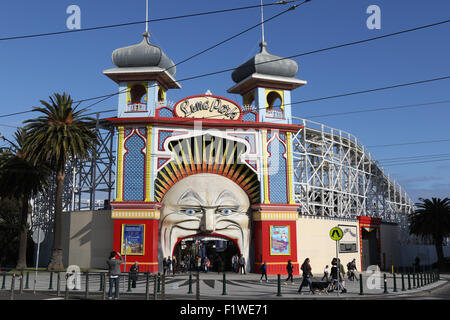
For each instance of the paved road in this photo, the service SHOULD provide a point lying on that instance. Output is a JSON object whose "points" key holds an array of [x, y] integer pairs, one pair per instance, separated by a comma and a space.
{"points": [[238, 287]]}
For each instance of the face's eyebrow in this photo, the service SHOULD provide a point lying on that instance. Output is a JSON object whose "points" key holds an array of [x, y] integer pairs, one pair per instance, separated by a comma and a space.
{"points": [[226, 198], [190, 197]]}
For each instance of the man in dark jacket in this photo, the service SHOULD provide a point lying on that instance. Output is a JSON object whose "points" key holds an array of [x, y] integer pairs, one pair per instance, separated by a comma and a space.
{"points": [[263, 272], [290, 270], [307, 275], [114, 273]]}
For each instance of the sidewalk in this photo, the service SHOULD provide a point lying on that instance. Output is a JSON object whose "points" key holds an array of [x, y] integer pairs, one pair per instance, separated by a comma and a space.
{"points": [[238, 287]]}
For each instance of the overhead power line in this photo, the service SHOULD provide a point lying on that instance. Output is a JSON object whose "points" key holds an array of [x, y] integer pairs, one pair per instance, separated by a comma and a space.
{"points": [[378, 109], [408, 143], [36, 35], [302, 54]]}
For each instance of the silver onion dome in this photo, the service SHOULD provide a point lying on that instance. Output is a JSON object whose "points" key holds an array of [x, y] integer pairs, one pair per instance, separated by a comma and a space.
{"points": [[143, 54], [265, 63]]}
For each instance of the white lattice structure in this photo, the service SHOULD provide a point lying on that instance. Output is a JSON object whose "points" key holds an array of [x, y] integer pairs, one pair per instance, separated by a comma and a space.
{"points": [[336, 176]]}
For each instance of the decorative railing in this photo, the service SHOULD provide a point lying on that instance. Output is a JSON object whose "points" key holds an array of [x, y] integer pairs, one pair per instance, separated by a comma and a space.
{"points": [[136, 107]]}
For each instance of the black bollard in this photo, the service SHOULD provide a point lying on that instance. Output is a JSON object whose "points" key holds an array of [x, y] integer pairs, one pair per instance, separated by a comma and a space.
{"points": [[155, 285], [409, 282], [50, 285], [27, 280], [190, 283], [21, 282], [101, 282], [159, 282], [129, 283], [147, 285], [4, 280], [403, 282], [361, 292], [197, 288], [279, 285], [58, 283], [163, 287], [385, 284], [395, 282], [224, 289], [66, 292], [86, 294], [13, 285], [103, 286]]}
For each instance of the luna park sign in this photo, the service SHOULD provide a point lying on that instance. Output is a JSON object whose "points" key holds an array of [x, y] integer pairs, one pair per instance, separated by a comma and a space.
{"points": [[207, 107]]}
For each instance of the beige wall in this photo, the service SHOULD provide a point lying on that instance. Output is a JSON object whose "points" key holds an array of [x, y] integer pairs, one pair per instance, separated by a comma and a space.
{"points": [[314, 242], [89, 239]]}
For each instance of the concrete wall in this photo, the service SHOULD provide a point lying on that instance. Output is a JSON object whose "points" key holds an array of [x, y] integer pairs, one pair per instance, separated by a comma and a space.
{"points": [[89, 239], [390, 245], [314, 242], [426, 253]]}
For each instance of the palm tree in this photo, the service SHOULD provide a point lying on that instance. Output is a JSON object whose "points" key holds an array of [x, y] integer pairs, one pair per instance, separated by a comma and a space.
{"points": [[59, 135], [432, 219], [21, 179]]}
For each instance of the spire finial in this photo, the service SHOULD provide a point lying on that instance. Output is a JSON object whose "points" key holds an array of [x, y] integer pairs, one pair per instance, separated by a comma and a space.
{"points": [[262, 22], [146, 16], [146, 34]]}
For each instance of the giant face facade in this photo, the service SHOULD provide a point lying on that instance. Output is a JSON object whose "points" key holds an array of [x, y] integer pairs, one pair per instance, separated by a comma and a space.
{"points": [[204, 205]]}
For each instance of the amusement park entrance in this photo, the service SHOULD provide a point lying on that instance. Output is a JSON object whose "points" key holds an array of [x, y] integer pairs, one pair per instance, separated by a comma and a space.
{"points": [[218, 251]]}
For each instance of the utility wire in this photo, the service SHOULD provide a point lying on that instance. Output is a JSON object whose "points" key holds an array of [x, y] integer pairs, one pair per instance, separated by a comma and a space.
{"points": [[408, 143], [378, 109], [36, 35], [307, 53]]}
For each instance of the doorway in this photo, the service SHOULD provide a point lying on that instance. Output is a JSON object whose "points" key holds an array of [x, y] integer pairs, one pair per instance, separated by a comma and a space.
{"points": [[219, 252], [370, 254]]}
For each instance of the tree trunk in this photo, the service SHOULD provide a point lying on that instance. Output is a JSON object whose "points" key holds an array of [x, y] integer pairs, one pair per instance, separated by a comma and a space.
{"points": [[56, 262], [439, 251], [23, 237]]}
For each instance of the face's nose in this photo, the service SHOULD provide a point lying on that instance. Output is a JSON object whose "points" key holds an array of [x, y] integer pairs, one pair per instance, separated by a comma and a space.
{"points": [[208, 222]]}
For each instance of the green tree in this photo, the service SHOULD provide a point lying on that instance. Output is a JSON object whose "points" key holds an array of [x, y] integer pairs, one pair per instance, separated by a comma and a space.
{"points": [[59, 135], [21, 179], [432, 219]]}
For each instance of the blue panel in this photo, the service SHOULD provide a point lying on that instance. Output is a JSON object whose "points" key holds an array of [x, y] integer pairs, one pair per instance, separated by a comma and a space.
{"points": [[165, 113], [277, 172], [134, 169], [249, 116]]}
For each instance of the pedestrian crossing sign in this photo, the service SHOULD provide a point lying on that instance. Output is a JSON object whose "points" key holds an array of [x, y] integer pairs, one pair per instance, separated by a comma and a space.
{"points": [[336, 233]]}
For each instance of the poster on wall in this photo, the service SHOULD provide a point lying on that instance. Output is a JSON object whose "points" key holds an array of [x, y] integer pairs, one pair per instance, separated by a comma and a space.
{"points": [[279, 240], [349, 240], [133, 239]]}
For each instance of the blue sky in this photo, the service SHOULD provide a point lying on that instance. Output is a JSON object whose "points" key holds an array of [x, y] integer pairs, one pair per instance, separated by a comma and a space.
{"points": [[33, 69]]}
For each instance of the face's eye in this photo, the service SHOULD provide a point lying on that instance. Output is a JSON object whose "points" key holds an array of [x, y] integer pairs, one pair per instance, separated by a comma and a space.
{"points": [[191, 211], [225, 211]]}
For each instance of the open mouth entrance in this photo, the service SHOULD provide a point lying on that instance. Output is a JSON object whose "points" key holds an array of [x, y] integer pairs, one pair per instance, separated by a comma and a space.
{"points": [[218, 250]]}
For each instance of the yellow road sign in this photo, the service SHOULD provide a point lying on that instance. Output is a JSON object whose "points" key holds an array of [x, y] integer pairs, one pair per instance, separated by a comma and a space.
{"points": [[336, 233]]}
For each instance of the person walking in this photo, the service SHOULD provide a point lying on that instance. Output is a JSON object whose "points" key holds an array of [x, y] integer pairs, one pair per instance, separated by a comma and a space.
{"points": [[307, 275], [114, 273], [263, 272], [242, 264], [290, 270], [334, 277], [341, 275], [218, 263], [326, 273], [351, 267], [174, 265], [134, 270], [234, 262]]}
